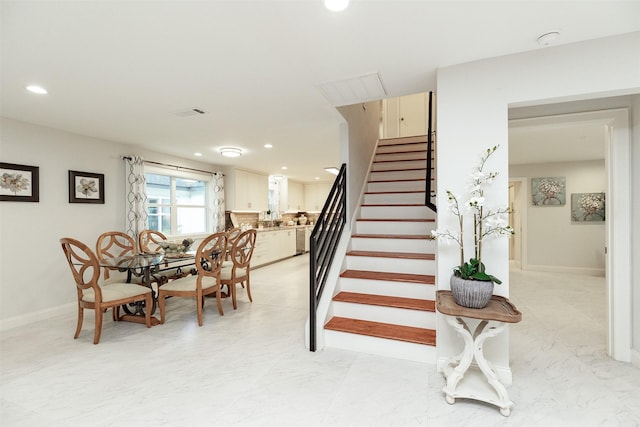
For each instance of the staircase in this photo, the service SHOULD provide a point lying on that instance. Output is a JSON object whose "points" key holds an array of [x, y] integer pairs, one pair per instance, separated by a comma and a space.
{"points": [[385, 304]]}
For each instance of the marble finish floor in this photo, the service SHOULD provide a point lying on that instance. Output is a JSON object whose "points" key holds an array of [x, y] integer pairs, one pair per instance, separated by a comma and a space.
{"points": [[251, 368]]}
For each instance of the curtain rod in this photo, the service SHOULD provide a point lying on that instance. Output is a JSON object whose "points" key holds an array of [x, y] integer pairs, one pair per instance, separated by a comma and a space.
{"points": [[171, 166]]}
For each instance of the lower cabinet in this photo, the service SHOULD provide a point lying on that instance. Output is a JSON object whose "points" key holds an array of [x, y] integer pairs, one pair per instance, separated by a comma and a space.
{"points": [[273, 246]]}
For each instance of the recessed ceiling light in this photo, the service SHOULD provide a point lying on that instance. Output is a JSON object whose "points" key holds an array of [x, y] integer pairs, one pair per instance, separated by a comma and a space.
{"points": [[37, 89], [268, 146], [332, 170], [197, 154], [549, 38], [336, 5], [231, 152], [284, 168], [317, 177]]}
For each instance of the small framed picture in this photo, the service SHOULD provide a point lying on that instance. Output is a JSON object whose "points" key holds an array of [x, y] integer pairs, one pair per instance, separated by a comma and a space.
{"points": [[86, 187], [19, 183]]}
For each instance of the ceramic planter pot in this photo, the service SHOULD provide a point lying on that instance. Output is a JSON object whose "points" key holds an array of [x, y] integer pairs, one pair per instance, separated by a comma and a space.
{"points": [[471, 293]]}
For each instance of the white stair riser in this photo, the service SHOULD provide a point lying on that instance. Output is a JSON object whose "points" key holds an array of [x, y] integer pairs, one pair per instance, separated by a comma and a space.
{"points": [[391, 265], [394, 198], [395, 212], [405, 140], [380, 346], [384, 176], [400, 165], [392, 315], [388, 288], [415, 185], [394, 227], [420, 246], [410, 155]]}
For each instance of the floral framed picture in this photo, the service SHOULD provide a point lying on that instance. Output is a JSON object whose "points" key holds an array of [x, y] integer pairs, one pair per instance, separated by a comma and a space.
{"points": [[86, 187], [548, 191], [587, 207], [19, 183]]}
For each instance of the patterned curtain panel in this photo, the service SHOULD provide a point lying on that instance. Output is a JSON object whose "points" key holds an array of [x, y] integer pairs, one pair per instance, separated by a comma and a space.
{"points": [[136, 192], [216, 202]]}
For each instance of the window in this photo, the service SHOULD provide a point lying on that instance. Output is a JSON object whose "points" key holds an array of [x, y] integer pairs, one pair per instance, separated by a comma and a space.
{"points": [[176, 204]]}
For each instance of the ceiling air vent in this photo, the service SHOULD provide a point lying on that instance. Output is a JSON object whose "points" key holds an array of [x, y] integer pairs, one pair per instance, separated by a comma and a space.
{"points": [[190, 112]]}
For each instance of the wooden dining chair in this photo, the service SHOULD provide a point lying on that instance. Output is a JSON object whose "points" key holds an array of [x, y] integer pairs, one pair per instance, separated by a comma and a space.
{"points": [[113, 244], [241, 253], [232, 236], [86, 272], [148, 240], [209, 257]]}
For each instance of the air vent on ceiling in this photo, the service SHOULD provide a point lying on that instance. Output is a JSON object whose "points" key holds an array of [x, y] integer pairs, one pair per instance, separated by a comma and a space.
{"points": [[190, 112], [353, 90]]}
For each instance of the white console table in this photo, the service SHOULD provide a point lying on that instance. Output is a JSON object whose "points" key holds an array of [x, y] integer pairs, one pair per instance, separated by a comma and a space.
{"points": [[464, 380]]}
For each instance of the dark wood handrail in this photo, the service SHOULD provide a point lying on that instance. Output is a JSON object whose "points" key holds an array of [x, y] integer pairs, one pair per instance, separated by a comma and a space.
{"points": [[430, 157], [323, 243]]}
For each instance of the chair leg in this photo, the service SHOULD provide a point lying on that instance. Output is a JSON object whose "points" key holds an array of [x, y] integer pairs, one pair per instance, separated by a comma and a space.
{"points": [[249, 288], [232, 288], [147, 313], [199, 303], [96, 335], [219, 301], [80, 318], [161, 303]]}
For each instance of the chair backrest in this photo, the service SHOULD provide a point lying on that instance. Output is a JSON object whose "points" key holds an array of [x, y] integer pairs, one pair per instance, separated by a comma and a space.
{"points": [[113, 244], [148, 240], [84, 266], [242, 249], [210, 254]]}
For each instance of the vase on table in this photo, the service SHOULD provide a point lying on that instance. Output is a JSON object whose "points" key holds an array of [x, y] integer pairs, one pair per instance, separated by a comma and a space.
{"points": [[471, 293]]}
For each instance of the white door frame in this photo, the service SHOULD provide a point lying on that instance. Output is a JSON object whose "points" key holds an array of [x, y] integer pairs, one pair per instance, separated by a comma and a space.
{"points": [[521, 203]]}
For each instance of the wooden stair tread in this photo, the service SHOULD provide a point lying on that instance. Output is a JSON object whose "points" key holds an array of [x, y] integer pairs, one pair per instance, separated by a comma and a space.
{"points": [[386, 301], [399, 160], [394, 236], [398, 219], [392, 204], [425, 279], [400, 170], [400, 255], [399, 180], [402, 152], [395, 192], [383, 330]]}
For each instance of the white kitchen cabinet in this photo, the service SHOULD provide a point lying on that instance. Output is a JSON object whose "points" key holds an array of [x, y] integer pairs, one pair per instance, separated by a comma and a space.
{"points": [[315, 195], [251, 191], [405, 115], [296, 201], [273, 246]]}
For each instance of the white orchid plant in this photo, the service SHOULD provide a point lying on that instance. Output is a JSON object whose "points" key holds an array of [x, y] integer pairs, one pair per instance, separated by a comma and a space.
{"points": [[486, 222]]}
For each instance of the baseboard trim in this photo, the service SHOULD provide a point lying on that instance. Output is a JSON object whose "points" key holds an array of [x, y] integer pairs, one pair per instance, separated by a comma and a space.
{"points": [[635, 358], [26, 319], [596, 272]]}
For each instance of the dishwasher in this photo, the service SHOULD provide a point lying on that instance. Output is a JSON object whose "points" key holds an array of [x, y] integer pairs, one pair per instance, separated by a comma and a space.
{"points": [[300, 240]]}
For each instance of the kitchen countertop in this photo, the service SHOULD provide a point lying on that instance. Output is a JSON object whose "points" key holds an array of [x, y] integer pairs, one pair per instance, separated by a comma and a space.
{"points": [[284, 227]]}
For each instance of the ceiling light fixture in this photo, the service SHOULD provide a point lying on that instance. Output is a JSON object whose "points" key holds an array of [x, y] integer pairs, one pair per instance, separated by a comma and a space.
{"points": [[336, 5], [197, 154], [231, 152], [37, 89], [268, 146], [332, 170], [549, 38]]}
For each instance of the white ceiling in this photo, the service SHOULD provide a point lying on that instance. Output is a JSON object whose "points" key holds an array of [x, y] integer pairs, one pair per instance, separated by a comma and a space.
{"points": [[120, 70]]}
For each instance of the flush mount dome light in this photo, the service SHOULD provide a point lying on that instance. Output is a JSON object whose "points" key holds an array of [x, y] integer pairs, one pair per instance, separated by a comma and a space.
{"points": [[231, 152], [336, 5], [37, 89]]}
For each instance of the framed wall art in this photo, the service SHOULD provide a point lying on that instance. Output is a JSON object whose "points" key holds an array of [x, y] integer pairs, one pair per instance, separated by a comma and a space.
{"points": [[548, 191], [86, 187], [19, 183], [587, 207]]}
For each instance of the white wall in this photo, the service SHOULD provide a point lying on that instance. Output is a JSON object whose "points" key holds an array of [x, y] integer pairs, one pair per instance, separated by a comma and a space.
{"points": [[35, 281], [363, 127], [635, 121], [554, 242], [473, 100]]}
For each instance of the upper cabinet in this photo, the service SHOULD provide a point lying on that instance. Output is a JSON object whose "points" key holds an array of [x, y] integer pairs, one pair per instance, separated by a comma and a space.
{"points": [[405, 115], [296, 197], [251, 191], [315, 195]]}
